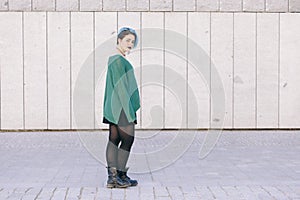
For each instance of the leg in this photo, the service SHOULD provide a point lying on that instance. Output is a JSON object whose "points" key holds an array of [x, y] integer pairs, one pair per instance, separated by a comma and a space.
{"points": [[126, 134], [112, 159], [112, 146], [127, 137]]}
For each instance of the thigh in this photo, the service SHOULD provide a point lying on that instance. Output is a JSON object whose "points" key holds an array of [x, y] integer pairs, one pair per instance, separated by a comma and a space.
{"points": [[126, 131]]}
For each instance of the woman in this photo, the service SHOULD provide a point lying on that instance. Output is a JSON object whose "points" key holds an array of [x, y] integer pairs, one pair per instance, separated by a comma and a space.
{"points": [[121, 101]]}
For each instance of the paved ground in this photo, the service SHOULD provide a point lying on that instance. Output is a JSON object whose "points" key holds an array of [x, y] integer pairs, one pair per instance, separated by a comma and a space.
{"points": [[69, 165]]}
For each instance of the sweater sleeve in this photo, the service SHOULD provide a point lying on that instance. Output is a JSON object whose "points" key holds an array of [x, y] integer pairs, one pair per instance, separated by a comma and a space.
{"points": [[120, 82]]}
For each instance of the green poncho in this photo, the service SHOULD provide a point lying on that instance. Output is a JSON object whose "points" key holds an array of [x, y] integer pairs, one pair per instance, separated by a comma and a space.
{"points": [[121, 91]]}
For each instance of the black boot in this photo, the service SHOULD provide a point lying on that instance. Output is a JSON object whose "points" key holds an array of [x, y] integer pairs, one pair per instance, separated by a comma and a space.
{"points": [[123, 175], [114, 181]]}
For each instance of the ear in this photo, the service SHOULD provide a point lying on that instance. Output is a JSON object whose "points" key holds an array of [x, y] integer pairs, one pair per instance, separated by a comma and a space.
{"points": [[119, 40]]}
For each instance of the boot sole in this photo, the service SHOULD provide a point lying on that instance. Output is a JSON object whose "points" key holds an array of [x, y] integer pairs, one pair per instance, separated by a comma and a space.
{"points": [[116, 186]]}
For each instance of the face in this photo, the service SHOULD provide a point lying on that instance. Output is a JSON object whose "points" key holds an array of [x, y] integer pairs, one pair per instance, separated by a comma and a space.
{"points": [[127, 43]]}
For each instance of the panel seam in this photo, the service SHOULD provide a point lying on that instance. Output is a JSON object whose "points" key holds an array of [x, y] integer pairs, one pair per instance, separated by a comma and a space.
{"points": [[164, 70], [187, 69], [94, 69], [210, 81], [141, 66], [70, 53], [256, 117], [233, 65], [47, 74], [23, 59], [279, 66]]}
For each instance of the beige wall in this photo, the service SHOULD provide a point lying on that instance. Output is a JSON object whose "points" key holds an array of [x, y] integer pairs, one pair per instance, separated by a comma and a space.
{"points": [[152, 5], [256, 55]]}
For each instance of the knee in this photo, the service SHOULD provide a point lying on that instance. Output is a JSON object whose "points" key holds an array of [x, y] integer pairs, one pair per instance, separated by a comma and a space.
{"points": [[115, 140], [127, 142]]}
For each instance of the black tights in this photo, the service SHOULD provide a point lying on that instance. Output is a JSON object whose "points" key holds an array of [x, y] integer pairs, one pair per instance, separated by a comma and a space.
{"points": [[118, 156]]}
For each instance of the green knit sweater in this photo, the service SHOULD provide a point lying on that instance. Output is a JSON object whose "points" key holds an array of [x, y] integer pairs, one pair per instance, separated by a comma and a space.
{"points": [[121, 91]]}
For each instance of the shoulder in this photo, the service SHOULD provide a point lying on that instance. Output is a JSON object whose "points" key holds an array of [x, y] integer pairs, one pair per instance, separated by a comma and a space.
{"points": [[116, 58]]}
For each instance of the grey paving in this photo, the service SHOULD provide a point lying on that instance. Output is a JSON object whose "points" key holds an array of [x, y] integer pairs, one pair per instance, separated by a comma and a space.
{"points": [[69, 165]]}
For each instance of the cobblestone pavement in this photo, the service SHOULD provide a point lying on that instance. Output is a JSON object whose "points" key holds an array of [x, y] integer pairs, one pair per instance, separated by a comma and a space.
{"points": [[70, 165]]}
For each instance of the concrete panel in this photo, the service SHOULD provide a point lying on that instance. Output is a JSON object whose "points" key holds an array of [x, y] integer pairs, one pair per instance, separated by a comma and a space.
{"points": [[267, 70], [198, 76], [44, 5], [253, 5], [204, 5], [17, 5], [289, 71], [35, 72], [133, 19], [277, 5], [59, 92], [114, 5], [70, 5], [222, 59], [11, 63], [3, 4], [184, 5], [294, 5], [138, 5], [152, 107], [90, 5], [231, 5], [105, 29], [161, 5], [175, 71], [244, 101], [82, 70]]}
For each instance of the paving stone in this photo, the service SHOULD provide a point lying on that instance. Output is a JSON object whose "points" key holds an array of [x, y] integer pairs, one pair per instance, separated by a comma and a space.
{"points": [[3, 4], [205, 193], [43, 5], [294, 5], [46, 193], [218, 192], [184, 5], [60, 193], [90, 5], [16, 5], [73, 193], [273, 191], [246, 192], [161, 192], [254, 5], [161, 5], [230, 5], [6, 192], [103, 193], [138, 5], [31, 193], [70, 5], [114, 5], [204, 5], [243, 165], [175, 192], [277, 5]]}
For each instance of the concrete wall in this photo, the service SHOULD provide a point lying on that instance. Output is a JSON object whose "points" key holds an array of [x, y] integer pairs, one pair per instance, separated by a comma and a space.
{"points": [[43, 45], [152, 5]]}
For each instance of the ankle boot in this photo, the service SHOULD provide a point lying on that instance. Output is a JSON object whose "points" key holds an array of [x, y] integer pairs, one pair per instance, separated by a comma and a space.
{"points": [[114, 181], [123, 175]]}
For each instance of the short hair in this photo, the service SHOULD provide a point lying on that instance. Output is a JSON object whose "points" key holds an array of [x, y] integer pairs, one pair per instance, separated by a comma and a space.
{"points": [[126, 31]]}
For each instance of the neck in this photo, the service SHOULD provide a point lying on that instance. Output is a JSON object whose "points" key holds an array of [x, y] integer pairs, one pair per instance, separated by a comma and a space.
{"points": [[119, 49]]}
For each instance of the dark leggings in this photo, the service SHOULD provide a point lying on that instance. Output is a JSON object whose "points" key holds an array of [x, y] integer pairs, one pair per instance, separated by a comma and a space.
{"points": [[117, 156]]}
